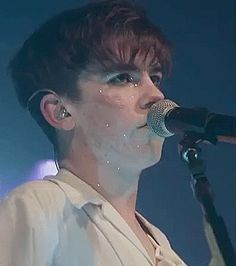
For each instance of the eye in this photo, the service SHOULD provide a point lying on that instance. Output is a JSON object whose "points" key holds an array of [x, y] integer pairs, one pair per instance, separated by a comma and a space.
{"points": [[156, 79], [121, 79]]}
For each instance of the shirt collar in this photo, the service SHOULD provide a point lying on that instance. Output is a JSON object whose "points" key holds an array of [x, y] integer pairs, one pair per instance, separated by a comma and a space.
{"points": [[78, 192]]}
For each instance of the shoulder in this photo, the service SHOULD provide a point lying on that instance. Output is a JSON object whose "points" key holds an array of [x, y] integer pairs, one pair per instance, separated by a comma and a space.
{"points": [[30, 216], [39, 196]]}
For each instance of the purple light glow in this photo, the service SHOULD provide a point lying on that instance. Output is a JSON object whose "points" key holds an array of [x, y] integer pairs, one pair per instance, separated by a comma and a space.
{"points": [[42, 169]]}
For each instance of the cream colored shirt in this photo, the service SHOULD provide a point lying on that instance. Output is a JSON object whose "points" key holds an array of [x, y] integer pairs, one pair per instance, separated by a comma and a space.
{"points": [[62, 221]]}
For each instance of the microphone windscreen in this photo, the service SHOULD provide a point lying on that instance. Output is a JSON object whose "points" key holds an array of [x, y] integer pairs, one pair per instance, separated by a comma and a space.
{"points": [[156, 117]]}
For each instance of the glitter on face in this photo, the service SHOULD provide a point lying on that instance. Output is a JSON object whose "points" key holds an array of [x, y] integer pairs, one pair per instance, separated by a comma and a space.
{"points": [[133, 85], [98, 185], [100, 91], [138, 146], [108, 162], [124, 135], [107, 125], [118, 168]]}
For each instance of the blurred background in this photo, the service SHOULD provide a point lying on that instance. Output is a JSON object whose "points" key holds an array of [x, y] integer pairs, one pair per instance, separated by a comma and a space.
{"points": [[202, 33]]}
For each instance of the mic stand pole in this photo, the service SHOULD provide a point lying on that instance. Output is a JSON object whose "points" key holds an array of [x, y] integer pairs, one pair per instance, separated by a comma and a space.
{"points": [[216, 233]]}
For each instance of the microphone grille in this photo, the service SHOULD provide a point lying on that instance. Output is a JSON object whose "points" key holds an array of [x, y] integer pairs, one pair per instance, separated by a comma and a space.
{"points": [[156, 117]]}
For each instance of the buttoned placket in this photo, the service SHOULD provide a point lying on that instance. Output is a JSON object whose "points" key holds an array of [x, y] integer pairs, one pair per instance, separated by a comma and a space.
{"points": [[160, 258], [112, 216], [157, 250]]}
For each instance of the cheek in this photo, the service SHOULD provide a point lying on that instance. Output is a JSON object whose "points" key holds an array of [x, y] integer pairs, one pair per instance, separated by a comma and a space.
{"points": [[115, 110], [115, 101], [103, 121], [108, 117], [120, 98]]}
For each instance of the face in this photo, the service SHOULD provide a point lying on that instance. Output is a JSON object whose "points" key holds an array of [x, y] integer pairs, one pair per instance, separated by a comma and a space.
{"points": [[112, 114]]}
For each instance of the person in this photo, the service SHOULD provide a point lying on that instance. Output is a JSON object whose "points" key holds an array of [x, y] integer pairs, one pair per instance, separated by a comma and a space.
{"points": [[89, 76]]}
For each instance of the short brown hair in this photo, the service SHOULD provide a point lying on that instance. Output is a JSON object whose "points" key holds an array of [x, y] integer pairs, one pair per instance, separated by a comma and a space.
{"points": [[55, 54]]}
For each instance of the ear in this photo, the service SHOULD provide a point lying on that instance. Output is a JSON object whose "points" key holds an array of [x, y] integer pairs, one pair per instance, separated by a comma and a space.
{"points": [[51, 108]]}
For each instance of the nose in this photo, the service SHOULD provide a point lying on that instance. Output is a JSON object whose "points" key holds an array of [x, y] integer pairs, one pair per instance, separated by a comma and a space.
{"points": [[150, 94]]}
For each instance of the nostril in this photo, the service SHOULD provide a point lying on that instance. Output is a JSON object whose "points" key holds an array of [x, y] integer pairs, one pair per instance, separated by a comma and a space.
{"points": [[146, 101]]}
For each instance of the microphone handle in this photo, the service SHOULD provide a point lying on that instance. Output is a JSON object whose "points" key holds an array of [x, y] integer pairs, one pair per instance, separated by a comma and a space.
{"points": [[221, 125], [227, 139]]}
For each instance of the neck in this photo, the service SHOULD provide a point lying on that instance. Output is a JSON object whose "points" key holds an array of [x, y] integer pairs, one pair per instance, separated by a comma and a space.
{"points": [[117, 186]]}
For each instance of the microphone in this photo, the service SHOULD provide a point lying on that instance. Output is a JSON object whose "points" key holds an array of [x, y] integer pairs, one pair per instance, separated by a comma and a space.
{"points": [[165, 118]]}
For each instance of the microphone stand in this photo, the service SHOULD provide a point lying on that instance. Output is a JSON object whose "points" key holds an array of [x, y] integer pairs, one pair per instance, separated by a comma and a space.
{"points": [[215, 230]]}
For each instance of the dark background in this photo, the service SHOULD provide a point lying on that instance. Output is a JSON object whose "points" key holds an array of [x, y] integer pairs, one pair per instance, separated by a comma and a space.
{"points": [[202, 33]]}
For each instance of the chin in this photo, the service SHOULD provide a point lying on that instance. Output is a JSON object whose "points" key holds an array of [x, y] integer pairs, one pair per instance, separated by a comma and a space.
{"points": [[146, 163], [152, 154], [152, 161], [147, 157]]}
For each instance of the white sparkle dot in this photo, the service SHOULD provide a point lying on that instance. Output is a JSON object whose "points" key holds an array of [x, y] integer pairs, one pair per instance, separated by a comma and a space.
{"points": [[124, 135], [118, 168], [138, 146], [107, 125], [98, 185], [108, 161], [100, 91]]}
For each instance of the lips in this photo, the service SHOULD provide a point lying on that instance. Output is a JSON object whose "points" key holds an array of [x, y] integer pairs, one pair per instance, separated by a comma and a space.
{"points": [[143, 125]]}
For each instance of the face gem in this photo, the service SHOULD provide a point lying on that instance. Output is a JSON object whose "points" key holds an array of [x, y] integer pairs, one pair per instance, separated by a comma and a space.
{"points": [[133, 85]]}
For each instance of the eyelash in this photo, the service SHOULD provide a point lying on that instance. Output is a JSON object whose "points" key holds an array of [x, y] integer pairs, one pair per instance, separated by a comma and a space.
{"points": [[156, 79]]}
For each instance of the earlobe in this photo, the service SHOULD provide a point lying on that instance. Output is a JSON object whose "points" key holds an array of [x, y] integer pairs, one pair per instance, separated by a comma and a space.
{"points": [[55, 113], [67, 123]]}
